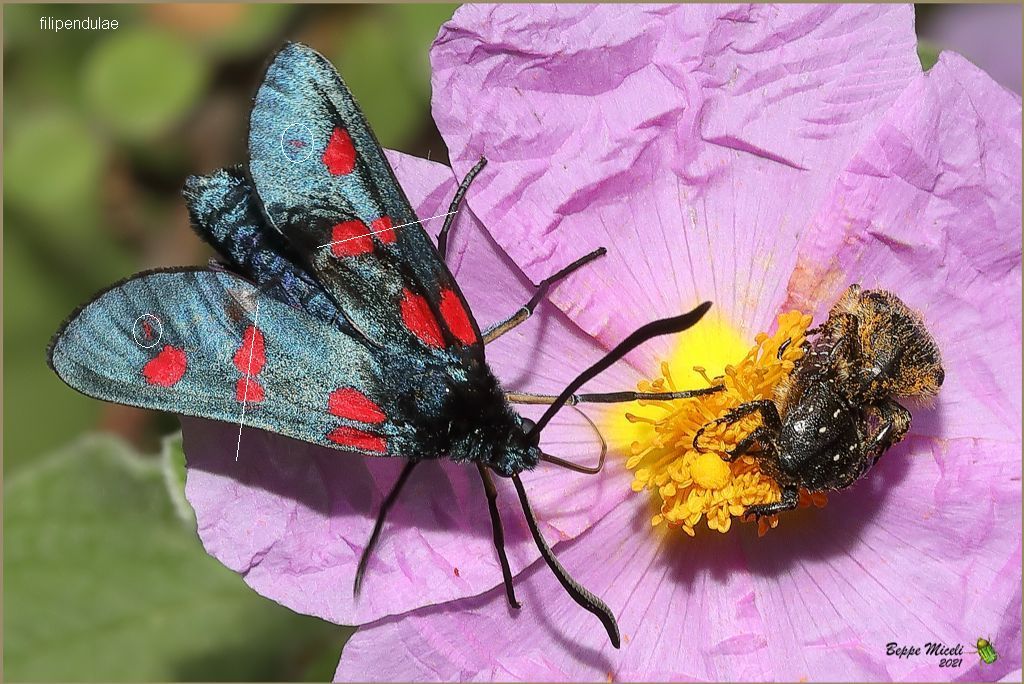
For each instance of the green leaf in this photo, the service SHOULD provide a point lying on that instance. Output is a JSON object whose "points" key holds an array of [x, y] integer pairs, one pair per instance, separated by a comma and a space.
{"points": [[382, 77], [140, 82], [105, 581], [928, 53], [53, 163], [251, 33], [418, 24], [172, 466], [40, 411]]}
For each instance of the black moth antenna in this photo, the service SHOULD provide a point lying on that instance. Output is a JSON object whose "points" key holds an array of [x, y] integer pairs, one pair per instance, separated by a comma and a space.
{"points": [[665, 326], [580, 595]]}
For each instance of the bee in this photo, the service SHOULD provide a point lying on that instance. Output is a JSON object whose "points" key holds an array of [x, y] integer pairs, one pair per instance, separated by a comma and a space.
{"points": [[837, 412]]}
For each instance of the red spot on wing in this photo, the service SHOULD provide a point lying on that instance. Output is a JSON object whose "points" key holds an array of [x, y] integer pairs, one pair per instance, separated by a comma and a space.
{"points": [[340, 155], [357, 439], [249, 389], [347, 402], [384, 230], [251, 356], [350, 238], [419, 319], [456, 318], [166, 368]]}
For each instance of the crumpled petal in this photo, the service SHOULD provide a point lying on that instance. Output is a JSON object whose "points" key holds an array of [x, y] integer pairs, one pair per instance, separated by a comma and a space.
{"points": [[694, 141], [927, 547], [294, 518], [930, 208]]}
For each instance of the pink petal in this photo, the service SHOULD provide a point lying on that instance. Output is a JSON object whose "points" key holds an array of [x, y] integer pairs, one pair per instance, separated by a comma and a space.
{"points": [[930, 208], [294, 518], [909, 556], [927, 547], [693, 141]]}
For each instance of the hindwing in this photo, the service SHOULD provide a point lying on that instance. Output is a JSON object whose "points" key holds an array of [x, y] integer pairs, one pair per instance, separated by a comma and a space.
{"points": [[211, 344]]}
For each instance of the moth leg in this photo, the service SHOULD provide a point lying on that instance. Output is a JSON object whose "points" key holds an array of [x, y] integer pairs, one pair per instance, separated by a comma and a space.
{"points": [[502, 327], [499, 534], [453, 208], [895, 423], [379, 525], [790, 500], [610, 397]]}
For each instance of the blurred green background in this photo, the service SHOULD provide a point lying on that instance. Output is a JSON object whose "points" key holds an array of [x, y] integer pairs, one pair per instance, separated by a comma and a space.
{"points": [[104, 577]]}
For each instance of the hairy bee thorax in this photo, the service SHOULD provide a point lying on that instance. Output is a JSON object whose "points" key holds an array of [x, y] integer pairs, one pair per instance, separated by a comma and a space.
{"points": [[897, 356]]}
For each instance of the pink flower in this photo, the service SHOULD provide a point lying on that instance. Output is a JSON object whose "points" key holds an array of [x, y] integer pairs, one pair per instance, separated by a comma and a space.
{"points": [[293, 518], [760, 157], [764, 158]]}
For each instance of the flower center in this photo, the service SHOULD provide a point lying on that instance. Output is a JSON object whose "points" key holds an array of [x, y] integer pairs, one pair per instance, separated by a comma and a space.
{"points": [[692, 485]]}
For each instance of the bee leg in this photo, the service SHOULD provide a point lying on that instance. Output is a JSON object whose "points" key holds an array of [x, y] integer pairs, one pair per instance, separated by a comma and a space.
{"points": [[453, 208], [499, 535], [895, 423], [766, 407], [847, 328], [502, 327], [760, 435], [783, 347], [790, 500], [805, 345], [769, 417]]}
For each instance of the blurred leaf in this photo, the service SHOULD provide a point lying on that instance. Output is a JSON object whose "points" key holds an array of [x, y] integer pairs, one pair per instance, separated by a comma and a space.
{"points": [[53, 165], [928, 53], [418, 25], [258, 25], [322, 665], [140, 82], [227, 30], [378, 70], [104, 581], [17, 18], [40, 411], [40, 80], [172, 465]]}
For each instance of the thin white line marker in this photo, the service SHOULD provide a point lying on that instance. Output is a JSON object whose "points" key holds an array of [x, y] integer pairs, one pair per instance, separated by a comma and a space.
{"points": [[378, 232], [248, 367]]}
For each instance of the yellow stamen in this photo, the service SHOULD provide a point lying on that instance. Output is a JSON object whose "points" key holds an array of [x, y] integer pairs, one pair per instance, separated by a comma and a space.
{"points": [[710, 471], [692, 484]]}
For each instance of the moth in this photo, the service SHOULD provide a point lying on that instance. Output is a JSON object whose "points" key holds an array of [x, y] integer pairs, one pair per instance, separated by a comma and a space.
{"points": [[331, 316]]}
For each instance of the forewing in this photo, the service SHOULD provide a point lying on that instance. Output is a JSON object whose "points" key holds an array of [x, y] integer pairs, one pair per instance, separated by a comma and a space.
{"points": [[210, 344], [325, 184]]}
